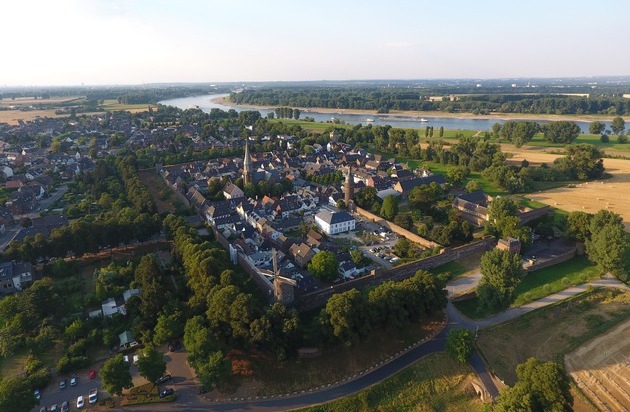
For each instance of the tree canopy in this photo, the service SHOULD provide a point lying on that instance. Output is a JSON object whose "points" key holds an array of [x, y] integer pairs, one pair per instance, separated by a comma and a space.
{"points": [[324, 266], [501, 272], [541, 387], [151, 364], [115, 375], [459, 344]]}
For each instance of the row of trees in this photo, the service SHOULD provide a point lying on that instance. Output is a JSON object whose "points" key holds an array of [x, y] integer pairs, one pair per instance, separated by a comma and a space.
{"points": [[87, 236], [352, 315], [287, 113], [398, 98]]}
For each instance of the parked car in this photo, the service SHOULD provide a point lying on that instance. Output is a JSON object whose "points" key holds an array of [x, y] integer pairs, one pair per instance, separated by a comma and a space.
{"points": [[65, 406], [166, 392], [43, 409], [93, 396], [80, 402], [92, 374], [62, 384], [37, 394], [73, 380], [163, 379], [54, 408]]}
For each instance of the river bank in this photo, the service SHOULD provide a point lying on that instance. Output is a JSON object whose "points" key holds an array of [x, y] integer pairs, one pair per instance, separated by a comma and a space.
{"points": [[224, 100]]}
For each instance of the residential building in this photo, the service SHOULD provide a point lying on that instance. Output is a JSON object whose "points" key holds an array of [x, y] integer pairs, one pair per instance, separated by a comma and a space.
{"points": [[335, 222]]}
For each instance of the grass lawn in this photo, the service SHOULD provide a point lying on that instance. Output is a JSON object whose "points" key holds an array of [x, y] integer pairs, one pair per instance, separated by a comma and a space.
{"points": [[311, 126], [113, 105], [454, 269], [551, 332], [539, 284], [612, 146], [435, 383]]}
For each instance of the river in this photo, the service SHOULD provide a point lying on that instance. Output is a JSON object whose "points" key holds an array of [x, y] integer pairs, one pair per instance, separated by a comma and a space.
{"points": [[206, 103]]}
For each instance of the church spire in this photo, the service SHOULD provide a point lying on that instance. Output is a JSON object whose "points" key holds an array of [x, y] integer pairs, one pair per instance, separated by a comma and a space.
{"points": [[247, 165]]}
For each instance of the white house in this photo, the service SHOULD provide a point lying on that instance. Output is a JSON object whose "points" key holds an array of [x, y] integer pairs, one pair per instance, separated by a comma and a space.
{"points": [[335, 222], [347, 270]]}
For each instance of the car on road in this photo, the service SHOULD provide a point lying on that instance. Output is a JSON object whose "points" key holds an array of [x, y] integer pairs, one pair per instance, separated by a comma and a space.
{"points": [[93, 396], [166, 392], [80, 402], [92, 374], [65, 406], [163, 379], [73, 380], [37, 394], [62, 384], [54, 408]]}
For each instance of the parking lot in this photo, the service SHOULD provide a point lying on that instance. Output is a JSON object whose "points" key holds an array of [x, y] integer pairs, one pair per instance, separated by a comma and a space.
{"points": [[52, 394], [183, 382]]}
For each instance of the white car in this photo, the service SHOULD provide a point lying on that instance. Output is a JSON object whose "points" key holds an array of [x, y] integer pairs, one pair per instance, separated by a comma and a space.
{"points": [[80, 402], [93, 398]]}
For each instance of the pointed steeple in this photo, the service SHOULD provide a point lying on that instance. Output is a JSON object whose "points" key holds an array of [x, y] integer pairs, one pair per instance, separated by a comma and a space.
{"points": [[349, 189], [247, 165]]}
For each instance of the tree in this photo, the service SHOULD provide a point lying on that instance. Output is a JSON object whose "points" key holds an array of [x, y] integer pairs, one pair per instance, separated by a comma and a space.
{"points": [[404, 220], [582, 162], [539, 387], [324, 266], [472, 186], [606, 248], [596, 127], [501, 272], [459, 344], [16, 394], [296, 114], [518, 132], [214, 370], [346, 315], [169, 326], [341, 204], [151, 364], [457, 174], [115, 375], [618, 125], [359, 259], [561, 132], [578, 226], [502, 207], [441, 131], [389, 209]]}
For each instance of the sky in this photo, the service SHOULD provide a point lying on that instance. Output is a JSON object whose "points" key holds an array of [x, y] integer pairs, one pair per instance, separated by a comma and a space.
{"points": [[98, 42]]}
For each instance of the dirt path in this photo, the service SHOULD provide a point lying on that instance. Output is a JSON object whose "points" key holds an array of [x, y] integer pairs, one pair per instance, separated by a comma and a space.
{"points": [[601, 368]]}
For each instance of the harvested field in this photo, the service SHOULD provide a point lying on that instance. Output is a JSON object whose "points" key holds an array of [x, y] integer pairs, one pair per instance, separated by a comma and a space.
{"points": [[601, 368], [590, 197], [12, 116]]}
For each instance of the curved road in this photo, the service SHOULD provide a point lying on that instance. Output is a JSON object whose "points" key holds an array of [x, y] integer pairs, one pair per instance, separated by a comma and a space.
{"points": [[435, 345]]}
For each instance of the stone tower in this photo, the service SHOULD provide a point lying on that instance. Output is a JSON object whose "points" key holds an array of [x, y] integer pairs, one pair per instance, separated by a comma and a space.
{"points": [[247, 165], [349, 190]]}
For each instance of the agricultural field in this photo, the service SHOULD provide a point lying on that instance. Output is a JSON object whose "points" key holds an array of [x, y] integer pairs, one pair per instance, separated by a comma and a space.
{"points": [[590, 197], [435, 383], [12, 116], [601, 369]]}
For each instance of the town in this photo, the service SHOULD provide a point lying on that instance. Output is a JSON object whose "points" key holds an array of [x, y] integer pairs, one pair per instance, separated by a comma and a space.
{"points": [[109, 211]]}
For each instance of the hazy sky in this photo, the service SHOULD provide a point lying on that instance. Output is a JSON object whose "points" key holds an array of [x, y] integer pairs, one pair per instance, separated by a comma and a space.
{"points": [[46, 42]]}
